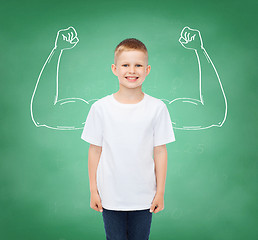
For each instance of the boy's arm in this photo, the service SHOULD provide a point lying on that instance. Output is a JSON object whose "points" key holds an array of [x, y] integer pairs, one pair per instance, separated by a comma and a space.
{"points": [[93, 161], [160, 159]]}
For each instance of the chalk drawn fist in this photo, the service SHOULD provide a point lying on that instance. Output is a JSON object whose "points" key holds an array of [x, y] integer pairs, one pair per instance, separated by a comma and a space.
{"points": [[191, 39], [66, 38]]}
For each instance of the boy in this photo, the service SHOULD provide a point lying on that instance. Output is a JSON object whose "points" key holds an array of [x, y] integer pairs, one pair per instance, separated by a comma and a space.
{"points": [[125, 130]]}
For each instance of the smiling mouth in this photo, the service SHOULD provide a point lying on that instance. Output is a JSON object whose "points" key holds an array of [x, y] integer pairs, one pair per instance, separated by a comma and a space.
{"points": [[131, 79]]}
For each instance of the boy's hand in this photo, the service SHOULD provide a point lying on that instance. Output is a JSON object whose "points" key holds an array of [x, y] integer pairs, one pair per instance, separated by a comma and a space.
{"points": [[95, 201], [66, 38], [157, 203]]}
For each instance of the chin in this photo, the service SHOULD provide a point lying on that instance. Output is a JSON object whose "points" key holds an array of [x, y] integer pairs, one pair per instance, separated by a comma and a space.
{"points": [[133, 85]]}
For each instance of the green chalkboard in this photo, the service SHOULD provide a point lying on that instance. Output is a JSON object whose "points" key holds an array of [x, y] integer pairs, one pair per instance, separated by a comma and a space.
{"points": [[56, 61]]}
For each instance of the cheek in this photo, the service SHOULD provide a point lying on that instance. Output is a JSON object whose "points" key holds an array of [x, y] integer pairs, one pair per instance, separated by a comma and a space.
{"points": [[142, 72], [122, 73]]}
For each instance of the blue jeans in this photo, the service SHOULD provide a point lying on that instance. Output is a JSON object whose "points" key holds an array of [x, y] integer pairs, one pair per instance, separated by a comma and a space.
{"points": [[127, 225]]}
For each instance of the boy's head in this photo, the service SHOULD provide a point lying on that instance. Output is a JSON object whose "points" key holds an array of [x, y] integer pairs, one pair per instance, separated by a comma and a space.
{"points": [[131, 63]]}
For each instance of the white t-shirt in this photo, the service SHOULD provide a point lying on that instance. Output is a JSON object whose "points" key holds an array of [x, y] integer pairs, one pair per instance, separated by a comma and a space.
{"points": [[127, 133]]}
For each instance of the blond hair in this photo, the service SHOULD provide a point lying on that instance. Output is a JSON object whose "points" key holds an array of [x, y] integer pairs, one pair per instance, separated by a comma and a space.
{"points": [[130, 44]]}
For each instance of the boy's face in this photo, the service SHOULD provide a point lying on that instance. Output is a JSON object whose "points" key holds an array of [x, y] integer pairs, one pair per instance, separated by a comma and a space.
{"points": [[131, 68]]}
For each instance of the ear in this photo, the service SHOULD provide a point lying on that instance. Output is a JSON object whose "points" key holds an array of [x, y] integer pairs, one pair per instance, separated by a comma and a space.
{"points": [[148, 70], [113, 67]]}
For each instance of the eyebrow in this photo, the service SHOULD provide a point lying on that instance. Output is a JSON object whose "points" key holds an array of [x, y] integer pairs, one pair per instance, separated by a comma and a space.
{"points": [[128, 63]]}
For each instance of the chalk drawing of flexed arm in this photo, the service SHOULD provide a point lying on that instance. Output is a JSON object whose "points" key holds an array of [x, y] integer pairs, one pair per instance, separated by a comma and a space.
{"points": [[210, 110], [46, 109], [188, 113]]}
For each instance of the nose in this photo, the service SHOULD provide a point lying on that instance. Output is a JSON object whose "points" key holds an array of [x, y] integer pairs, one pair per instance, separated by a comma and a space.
{"points": [[132, 69]]}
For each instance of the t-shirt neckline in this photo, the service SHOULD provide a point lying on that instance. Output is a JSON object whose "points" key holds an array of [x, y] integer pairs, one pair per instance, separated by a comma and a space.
{"points": [[128, 104]]}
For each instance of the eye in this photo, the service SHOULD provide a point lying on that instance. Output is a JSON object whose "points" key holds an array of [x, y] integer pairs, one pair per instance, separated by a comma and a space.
{"points": [[125, 65], [139, 65]]}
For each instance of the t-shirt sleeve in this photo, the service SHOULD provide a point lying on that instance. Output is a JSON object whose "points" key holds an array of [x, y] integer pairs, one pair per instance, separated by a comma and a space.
{"points": [[92, 131], [163, 130]]}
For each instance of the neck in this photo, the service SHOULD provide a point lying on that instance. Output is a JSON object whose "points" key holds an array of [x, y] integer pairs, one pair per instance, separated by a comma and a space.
{"points": [[129, 95]]}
